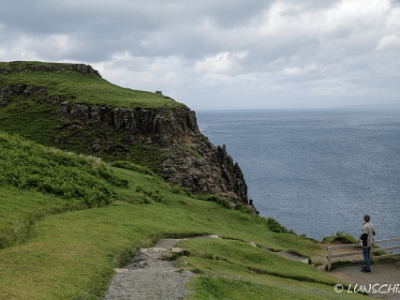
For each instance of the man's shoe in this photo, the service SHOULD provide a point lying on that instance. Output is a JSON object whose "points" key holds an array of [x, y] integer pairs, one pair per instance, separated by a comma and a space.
{"points": [[366, 271]]}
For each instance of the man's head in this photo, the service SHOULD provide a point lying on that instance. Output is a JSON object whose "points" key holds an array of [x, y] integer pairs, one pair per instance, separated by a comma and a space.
{"points": [[367, 218]]}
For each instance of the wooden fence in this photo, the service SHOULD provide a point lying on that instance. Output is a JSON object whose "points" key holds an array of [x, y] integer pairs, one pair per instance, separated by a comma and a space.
{"points": [[357, 251]]}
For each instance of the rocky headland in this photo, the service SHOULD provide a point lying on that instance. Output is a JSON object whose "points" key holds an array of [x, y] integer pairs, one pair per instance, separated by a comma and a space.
{"points": [[191, 160]]}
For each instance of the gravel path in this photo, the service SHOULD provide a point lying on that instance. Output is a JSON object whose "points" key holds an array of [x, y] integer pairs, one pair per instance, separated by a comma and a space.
{"points": [[149, 277]]}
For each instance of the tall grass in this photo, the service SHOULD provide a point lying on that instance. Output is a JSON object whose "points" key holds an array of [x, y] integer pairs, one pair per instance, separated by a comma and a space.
{"points": [[31, 166]]}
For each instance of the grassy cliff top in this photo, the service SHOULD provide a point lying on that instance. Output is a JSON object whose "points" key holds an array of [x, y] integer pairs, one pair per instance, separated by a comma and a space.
{"points": [[78, 83]]}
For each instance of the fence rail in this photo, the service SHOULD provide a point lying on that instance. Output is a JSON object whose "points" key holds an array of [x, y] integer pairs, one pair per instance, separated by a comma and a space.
{"points": [[357, 250]]}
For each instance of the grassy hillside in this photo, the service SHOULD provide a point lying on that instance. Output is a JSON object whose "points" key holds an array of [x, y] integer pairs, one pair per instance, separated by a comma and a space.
{"points": [[34, 117], [76, 87], [68, 220]]}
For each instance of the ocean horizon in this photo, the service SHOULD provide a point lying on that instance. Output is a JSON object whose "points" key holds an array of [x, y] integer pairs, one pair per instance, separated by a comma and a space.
{"points": [[317, 172]]}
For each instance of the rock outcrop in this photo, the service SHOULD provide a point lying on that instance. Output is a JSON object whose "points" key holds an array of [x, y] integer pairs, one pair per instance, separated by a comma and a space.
{"points": [[54, 67], [193, 162]]}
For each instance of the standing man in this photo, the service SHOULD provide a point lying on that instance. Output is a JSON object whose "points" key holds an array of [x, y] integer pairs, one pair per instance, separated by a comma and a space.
{"points": [[367, 240]]}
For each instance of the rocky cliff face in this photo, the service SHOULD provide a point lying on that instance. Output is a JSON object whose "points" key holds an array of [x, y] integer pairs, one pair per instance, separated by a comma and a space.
{"points": [[193, 162]]}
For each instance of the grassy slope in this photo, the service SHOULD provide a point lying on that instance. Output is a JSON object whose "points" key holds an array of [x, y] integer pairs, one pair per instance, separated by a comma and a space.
{"points": [[82, 88], [35, 119], [55, 251]]}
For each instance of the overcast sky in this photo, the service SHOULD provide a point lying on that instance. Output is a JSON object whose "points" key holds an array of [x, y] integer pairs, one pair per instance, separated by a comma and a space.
{"points": [[212, 54]]}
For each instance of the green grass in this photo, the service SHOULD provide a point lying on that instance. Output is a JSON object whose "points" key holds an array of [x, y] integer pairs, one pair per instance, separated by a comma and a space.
{"points": [[133, 167], [80, 88], [52, 250], [271, 288], [249, 258]]}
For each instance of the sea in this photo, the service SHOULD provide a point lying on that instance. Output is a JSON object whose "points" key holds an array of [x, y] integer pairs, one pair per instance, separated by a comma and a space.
{"points": [[316, 172]]}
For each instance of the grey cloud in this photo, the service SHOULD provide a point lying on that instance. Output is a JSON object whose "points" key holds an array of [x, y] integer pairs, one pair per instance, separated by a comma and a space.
{"points": [[216, 49], [120, 24], [157, 28], [236, 13]]}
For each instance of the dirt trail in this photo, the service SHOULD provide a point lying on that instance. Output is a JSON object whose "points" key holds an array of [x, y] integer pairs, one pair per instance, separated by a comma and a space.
{"points": [[149, 277]]}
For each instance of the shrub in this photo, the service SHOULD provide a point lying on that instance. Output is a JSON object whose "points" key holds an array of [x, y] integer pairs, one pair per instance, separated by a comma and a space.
{"points": [[107, 175], [220, 200], [21, 230], [180, 190], [152, 194], [244, 209], [275, 226], [340, 237]]}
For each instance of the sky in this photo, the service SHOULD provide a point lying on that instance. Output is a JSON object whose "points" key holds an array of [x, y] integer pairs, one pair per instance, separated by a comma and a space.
{"points": [[219, 54]]}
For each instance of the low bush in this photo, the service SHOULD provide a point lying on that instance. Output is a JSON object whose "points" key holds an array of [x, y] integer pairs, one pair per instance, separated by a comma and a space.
{"points": [[152, 194], [275, 226], [180, 190], [244, 209], [220, 200], [340, 237]]}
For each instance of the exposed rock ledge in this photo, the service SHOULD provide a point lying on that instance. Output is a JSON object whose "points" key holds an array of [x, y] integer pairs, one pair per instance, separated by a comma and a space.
{"points": [[194, 162]]}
